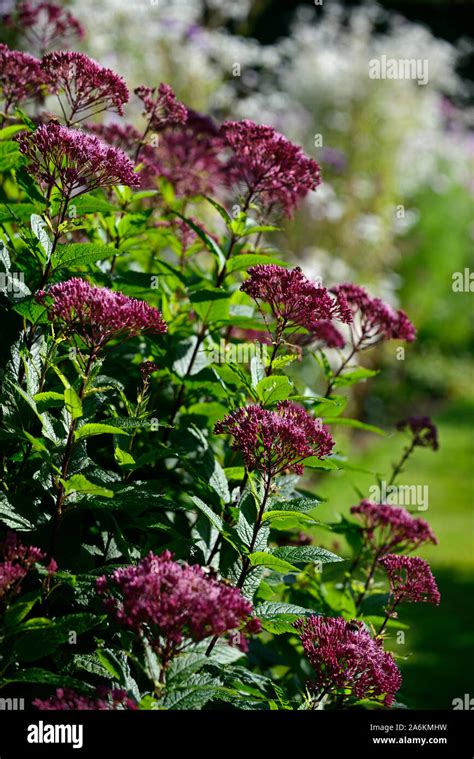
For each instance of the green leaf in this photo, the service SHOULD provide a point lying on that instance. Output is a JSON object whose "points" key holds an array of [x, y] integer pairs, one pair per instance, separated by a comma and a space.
{"points": [[40, 229], [79, 254], [208, 241], [276, 514], [10, 156], [344, 380], [221, 210], [73, 403], [257, 228], [17, 611], [11, 518], [39, 640], [9, 131], [80, 484], [49, 399], [263, 559], [243, 261], [32, 311], [257, 370], [314, 463], [210, 304], [44, 676], [305, 555], [185, 352], [344, 421], [88, 203], [214, 519], [271, 609], [295, 504], [273, 389], [16, 211], [95, 428]]}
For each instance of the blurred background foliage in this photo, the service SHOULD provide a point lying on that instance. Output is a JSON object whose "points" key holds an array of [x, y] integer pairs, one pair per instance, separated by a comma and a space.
{"points": [[395, 213]]}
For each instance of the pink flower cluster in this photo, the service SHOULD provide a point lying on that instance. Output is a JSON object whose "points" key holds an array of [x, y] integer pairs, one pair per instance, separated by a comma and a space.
{"points": [[18, 560], [345, 656], [167, 601], [272, 441], [410, 579], [294, 300], [268, 167], [74, 162], [97, 314], [388, 528], [21, 77], [161, 107], [423, 431], [322, 333], [376, 320], [66, 699], [190, 156], [87, 87], [45, 24]]}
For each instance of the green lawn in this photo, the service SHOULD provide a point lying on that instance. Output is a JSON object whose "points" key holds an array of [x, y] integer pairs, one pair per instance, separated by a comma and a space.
{"points": [[438, 645]]}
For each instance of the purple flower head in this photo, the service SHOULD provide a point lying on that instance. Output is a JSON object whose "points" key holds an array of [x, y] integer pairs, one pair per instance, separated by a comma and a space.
{"points": [[294, 300], [322, 333], [422, 429], [66, 699], [147, 368], [21, 77], [86, 86], [127, 138], [389, 528], [161, 107], [190, 156], [374, 319], [272, 441], [268, 167], [74, 162], [45, 24], [345, 656], [17, 561], [167, 602], [97, 314], [410, 579]]}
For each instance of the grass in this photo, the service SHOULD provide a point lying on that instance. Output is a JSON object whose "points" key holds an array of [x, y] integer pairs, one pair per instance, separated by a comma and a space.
{"points": [[437, 662]]}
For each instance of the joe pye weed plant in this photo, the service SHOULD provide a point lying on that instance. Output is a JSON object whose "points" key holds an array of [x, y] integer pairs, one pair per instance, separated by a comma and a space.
{"points": [[157, 518]]}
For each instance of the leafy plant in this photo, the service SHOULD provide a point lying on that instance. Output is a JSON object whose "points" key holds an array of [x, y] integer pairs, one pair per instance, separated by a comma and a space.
{"points": [[156, 426]]}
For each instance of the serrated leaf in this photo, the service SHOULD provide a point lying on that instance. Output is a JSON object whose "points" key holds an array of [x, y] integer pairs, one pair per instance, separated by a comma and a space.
{"points": [[243, 261], [263, 559], [344, 421], [302, 505], [80, 484], [11, 518], [79, 254], [73, 403], [305, 554], [272, 389], [40, 228], [95, 428]]}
